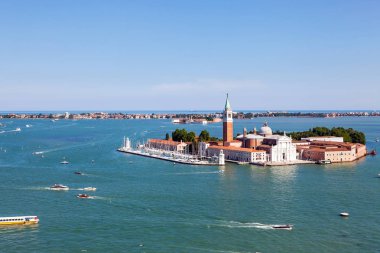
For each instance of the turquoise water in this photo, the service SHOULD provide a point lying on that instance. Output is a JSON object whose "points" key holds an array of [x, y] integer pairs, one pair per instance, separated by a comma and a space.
{"points": [[147, 205]]}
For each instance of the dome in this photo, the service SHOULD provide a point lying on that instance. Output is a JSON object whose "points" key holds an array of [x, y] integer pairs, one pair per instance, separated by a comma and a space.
{"points": [[265, 130]]}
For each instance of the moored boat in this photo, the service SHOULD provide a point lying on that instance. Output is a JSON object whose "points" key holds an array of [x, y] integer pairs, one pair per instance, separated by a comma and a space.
{"points": [[19, 220], [59, 187], [323, 162], [64, 162], [344, 214]]}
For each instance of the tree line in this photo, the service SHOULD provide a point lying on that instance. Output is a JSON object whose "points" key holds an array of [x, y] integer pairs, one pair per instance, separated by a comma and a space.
{"points": [[348, 134], [184, 135]]}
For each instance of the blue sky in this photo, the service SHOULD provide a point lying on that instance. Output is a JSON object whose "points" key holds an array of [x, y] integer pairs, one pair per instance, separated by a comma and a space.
{"points": [[185, 55]]}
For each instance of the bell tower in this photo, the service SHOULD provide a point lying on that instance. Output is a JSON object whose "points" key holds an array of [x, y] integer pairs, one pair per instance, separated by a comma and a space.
{"points": [[228, 128]]}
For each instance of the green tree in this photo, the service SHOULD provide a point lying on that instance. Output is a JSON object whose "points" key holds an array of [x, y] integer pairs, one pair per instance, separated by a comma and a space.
{"points": [[190, 137], [204, 136], [179, 135], [167, 137]]}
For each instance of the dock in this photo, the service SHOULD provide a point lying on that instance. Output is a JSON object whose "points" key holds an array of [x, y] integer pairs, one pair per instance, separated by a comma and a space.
{"points": [[169, 159]]}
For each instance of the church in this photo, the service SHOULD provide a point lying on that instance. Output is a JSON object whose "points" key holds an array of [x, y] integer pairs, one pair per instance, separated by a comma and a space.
{"points": [[259, 148]]}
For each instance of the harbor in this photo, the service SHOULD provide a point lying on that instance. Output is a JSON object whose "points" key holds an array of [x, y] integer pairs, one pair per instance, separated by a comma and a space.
{"points": [[169, 155]]}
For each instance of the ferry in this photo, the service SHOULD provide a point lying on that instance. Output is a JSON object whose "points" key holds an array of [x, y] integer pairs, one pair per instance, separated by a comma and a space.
{"points": [[19, 220]]}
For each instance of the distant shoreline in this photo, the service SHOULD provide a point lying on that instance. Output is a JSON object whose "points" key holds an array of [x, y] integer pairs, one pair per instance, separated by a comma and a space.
{"points": [[183, 115]]}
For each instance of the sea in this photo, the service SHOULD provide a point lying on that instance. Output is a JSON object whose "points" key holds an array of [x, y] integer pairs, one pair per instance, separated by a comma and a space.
{"points": [[148, 205]]}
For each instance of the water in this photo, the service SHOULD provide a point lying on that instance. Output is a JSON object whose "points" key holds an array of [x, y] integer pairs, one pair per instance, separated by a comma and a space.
{"points": [[148, 205]]}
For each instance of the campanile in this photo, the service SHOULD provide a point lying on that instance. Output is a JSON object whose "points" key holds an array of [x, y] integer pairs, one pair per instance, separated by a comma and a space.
{"points": [[228, 127]]}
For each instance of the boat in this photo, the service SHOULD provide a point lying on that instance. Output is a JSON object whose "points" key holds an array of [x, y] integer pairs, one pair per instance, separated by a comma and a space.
{"points": [[286, 227], [59, 187], [64, 162], [89, 189], [323, 162], [78, 173], [372, 152], [84, 196], [28, 125], [19, 220], [377, 140], [344, 214], [17, 129]]}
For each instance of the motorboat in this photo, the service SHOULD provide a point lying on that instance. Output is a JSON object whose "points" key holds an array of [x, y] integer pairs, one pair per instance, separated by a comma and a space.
{"points": [[78, 173], [59, 187], [344, 214], [84, 196], [285, 227], [28, 125], [323, 162], [64, 162], [89, 189], [17, 129]]}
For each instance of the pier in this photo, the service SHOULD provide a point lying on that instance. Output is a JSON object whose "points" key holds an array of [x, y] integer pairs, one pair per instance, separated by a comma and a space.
{"points": [[169, 159]]}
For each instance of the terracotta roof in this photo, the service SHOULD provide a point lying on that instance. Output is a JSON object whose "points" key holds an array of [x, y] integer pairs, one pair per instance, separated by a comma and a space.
{"points": [[235, 148], [167, 142], [336, 143], [316, 149]]}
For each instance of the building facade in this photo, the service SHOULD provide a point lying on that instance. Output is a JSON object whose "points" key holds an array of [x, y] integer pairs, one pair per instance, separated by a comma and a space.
{"points": [[238, 154]]}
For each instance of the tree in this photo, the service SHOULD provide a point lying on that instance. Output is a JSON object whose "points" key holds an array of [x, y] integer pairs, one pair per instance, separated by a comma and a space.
{"points": [[204, 136], [179, 135], [190, 137], [167, 137]]}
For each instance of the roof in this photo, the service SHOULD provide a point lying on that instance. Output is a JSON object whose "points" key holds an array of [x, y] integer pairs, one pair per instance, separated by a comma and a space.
{"points": [[321, 137], [335, 143], [250, 136], [228, 105], [316, 149], [250, 150], [166, 142]]}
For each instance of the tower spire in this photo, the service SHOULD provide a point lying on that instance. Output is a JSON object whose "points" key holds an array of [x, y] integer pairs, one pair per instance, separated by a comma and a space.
{"points": [[228, 105]]}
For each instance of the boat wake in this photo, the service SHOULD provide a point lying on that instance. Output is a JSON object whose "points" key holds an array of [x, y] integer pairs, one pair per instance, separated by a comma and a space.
{"points": [[235, 224]]}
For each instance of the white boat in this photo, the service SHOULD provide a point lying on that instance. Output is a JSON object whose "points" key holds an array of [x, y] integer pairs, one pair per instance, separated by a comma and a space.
{"points": [[38, 153], [59, 187], [285, 227], [19, 220], [89, 189], [17, 129], [64, 162], [344, 214], [28, 125], [323, 162]]}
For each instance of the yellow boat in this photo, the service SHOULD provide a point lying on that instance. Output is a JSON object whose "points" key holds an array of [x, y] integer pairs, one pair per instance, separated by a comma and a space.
{"points": [[19, 220]]}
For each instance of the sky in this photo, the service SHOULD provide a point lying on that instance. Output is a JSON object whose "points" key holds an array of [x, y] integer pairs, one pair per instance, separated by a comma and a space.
{"points": [[187, 54]]}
